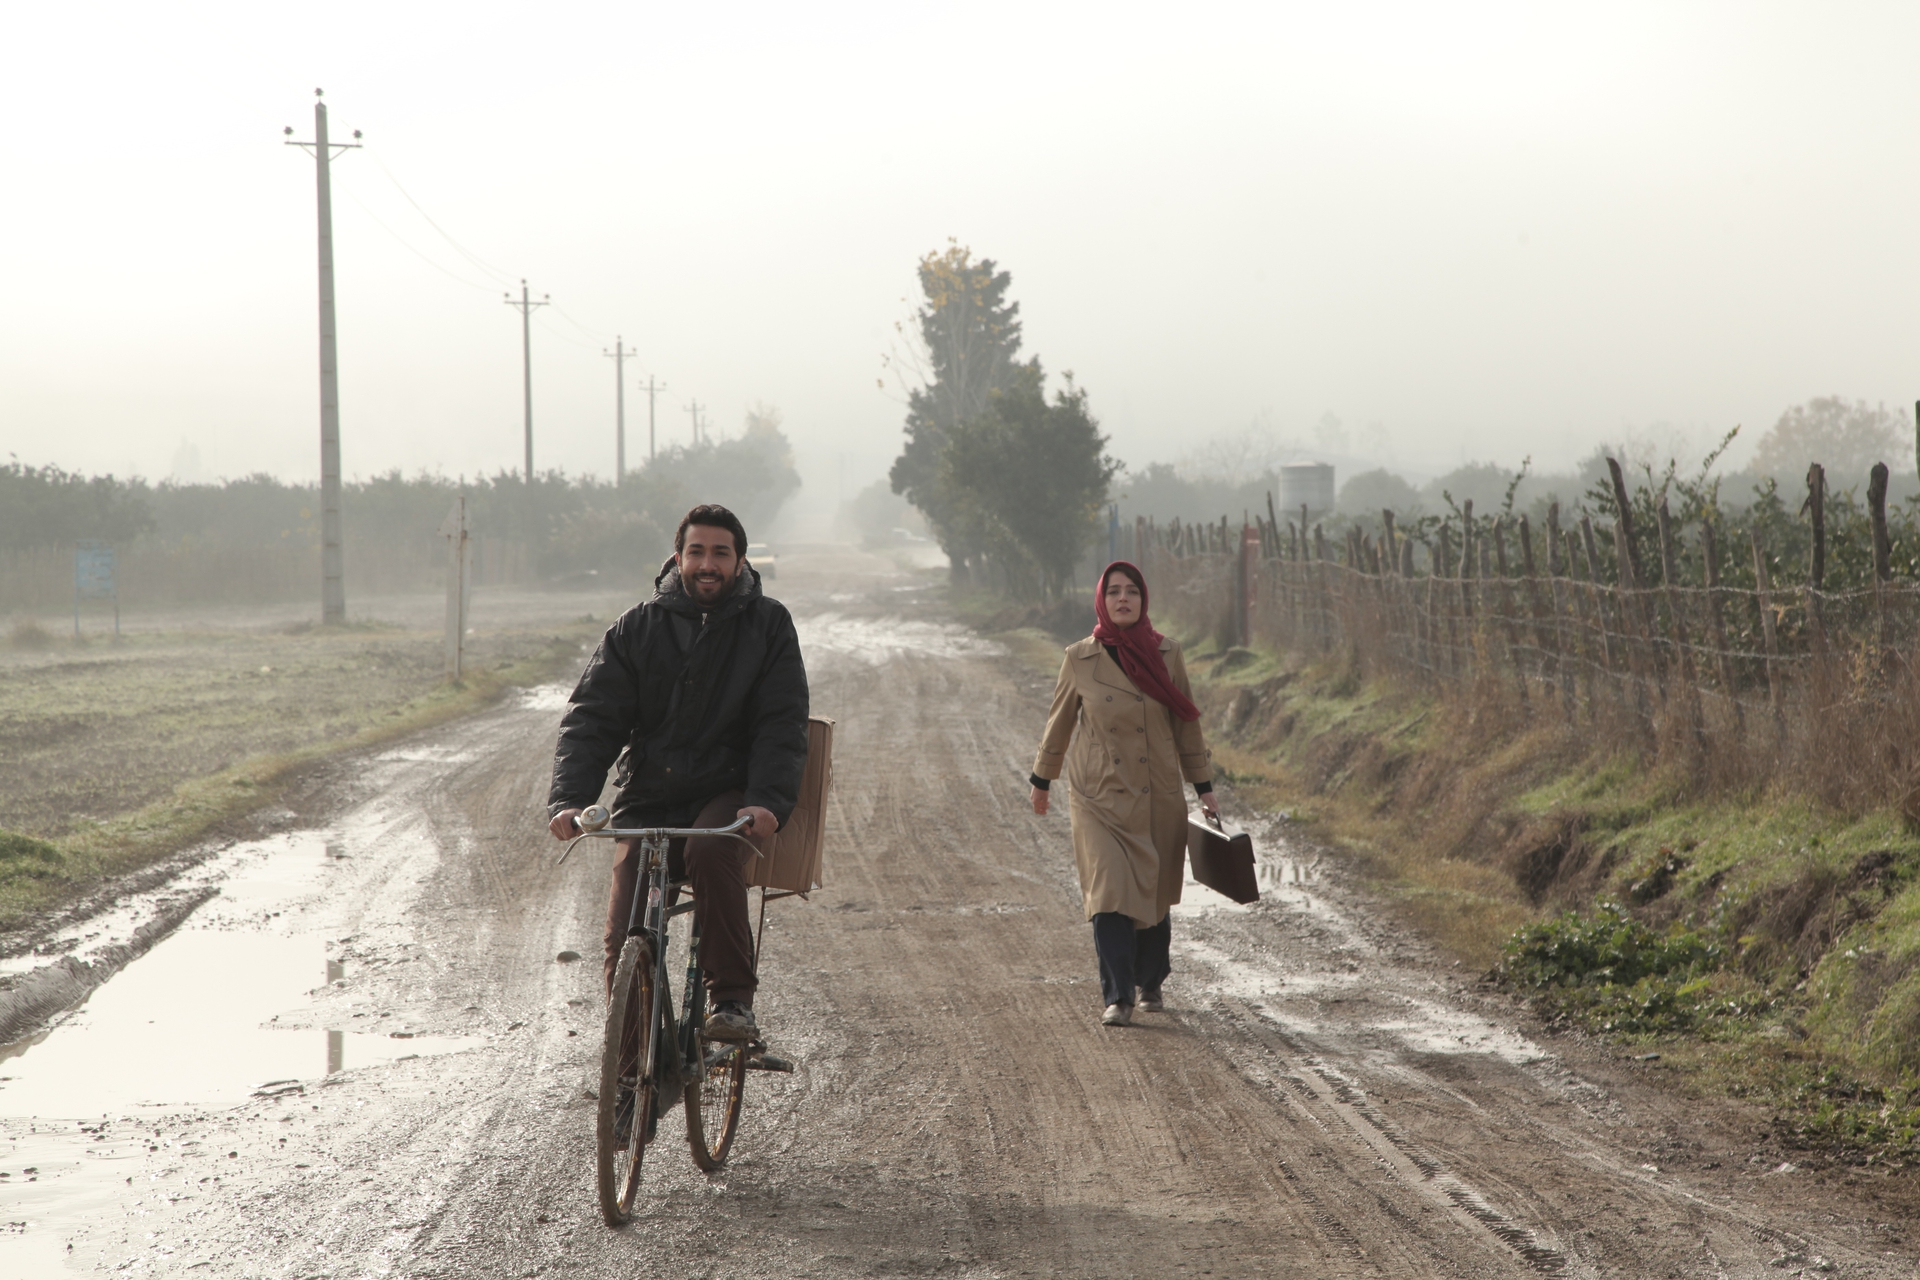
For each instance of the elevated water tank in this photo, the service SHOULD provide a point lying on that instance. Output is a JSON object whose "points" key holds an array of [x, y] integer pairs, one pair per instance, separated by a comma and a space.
{"points": [[1308, 484]]}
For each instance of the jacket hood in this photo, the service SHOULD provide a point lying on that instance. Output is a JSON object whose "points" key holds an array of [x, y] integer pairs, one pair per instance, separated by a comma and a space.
{"points": [[671, 594]]}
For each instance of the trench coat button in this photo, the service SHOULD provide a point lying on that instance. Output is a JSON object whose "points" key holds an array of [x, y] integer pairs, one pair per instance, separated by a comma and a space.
{"points": [[1143, 759], [1109, 697], [1139, 697]]}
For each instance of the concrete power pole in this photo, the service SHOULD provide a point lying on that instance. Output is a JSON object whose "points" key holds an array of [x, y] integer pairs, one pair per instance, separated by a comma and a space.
{"points": [[694, 410], [619, 356], [333, 588], [525, 307], [652, 390]]}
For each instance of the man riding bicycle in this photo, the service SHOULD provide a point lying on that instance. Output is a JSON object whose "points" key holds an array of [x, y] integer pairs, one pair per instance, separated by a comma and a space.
{"points": [[701, 695]]}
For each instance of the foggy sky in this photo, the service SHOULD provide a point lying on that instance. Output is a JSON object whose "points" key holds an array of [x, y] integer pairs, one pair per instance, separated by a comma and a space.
{"points": [[1493, 231]]}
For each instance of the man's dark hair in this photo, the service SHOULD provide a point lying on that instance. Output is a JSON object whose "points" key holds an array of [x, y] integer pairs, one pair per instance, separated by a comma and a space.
{"points": [[715, 516]]}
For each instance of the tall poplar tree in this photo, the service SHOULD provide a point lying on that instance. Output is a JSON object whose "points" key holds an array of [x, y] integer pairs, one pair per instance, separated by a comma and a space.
{"points": [[969, 333]]}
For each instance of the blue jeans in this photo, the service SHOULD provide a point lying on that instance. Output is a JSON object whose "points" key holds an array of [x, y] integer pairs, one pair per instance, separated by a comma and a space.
{"points": [[1130, 957]]}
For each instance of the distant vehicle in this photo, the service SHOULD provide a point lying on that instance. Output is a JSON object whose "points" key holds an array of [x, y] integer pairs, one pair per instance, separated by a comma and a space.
{"points": [[760, 556], [907, 536]]}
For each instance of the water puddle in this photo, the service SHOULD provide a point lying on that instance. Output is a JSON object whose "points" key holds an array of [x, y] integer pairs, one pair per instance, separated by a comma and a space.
{"points": [[546, 697], [1282, 874], [877, 641], [1344, 994], [183, 1033], [430, 753]]}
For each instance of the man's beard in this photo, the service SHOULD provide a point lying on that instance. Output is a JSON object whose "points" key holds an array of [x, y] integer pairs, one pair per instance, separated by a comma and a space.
{"points": [[707, 587]]}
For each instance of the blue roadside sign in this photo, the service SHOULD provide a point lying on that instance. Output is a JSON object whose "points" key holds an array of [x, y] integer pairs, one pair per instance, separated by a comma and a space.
{"points": [[93, 571]]}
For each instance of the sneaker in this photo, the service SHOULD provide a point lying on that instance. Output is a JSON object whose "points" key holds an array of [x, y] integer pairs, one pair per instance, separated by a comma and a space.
{"points": [[732, 1020], [1117, 1015], [1150, 1001]]}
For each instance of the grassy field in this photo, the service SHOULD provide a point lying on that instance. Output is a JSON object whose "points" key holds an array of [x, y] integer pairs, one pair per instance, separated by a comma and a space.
{"points": [[121, 752]]}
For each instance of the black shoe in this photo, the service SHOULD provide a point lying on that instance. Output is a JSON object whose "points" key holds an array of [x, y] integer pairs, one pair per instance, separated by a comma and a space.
{"points": [[1150, 1001], [732, 1021]]}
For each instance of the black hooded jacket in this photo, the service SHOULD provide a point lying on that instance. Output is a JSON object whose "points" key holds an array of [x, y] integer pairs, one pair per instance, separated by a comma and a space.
{"points": [[691, 704]]}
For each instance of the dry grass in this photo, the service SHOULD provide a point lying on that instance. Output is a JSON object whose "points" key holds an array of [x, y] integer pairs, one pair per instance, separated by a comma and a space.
{"points": [[28, 635], [121, 757]]}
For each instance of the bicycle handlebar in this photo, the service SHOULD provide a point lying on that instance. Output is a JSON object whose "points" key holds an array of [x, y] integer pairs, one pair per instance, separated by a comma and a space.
{"points": [[593, 822]]}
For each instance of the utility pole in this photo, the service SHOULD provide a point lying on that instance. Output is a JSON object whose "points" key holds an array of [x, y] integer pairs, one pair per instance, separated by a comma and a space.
{"points": [[694, 409], [619, 356], [333, 589], [525, 307], [651, 391]]}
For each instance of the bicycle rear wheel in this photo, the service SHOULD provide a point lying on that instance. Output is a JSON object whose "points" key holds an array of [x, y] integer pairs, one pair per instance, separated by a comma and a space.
{"points": [[714, 1100], [625, 1123]]}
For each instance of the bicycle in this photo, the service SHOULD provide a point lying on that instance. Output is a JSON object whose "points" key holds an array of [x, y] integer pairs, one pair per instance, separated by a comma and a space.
{"points": [[648, 1053]]}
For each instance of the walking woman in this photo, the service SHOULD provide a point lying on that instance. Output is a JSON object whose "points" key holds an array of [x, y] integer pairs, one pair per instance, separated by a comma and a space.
{"points": [[1124, 688]]}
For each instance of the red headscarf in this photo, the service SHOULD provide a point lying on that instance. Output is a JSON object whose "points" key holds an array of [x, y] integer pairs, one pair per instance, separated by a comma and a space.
{"points": [[1138, 646]]}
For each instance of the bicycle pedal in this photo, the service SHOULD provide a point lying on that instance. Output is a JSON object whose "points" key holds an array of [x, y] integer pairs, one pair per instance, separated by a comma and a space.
{"points": [[769, 1062]]}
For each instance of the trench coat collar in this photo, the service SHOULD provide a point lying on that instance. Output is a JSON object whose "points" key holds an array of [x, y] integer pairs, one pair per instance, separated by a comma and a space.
{"points": [[1109, 672]]}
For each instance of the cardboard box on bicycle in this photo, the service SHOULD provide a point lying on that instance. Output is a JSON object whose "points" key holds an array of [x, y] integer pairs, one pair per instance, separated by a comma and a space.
{"points": [[793, 862]]}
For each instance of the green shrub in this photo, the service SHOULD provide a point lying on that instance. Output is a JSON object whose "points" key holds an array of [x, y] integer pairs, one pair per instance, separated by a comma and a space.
{"points": [[1611, 972], [24, 858]]}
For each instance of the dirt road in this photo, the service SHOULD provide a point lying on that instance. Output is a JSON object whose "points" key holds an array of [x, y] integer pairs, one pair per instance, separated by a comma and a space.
{"points": [[1321, 1098]]}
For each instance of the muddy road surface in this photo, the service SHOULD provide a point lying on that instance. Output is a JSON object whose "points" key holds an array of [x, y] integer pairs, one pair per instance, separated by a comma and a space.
{"points": [[362, 1058]]}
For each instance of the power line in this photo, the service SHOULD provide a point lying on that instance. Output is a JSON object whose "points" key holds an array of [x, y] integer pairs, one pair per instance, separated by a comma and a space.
{"points": [[568, 316], [561, 335], [499, 276], [410, 247]]}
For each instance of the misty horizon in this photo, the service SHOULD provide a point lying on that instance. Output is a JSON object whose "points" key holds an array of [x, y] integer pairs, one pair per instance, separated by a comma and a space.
{"points": [[1477, 236]]}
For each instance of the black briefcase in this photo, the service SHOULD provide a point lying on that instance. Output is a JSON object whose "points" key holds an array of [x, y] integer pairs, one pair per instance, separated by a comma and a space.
{"points": [[1222, 862]]}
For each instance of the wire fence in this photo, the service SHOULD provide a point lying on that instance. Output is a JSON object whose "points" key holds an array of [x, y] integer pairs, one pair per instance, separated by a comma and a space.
{"points": [[1728, 685]]}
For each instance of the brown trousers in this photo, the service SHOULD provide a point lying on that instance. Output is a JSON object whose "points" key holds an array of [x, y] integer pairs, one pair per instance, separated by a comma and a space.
{"points": [[717, 868]]}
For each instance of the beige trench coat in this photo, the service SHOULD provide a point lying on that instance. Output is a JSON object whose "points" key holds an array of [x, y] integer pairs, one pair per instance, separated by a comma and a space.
{"points": [[1124, 772]]}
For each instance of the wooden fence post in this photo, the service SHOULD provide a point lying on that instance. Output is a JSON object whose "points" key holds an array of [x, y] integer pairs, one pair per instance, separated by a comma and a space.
{"points": [[1817, 570], [1590, 545], [1467, 624], [1681, 670], [1716, 623], [1249, 560], [1544, 641], [1882, 550], [1640, 624], [1763, 597], [1506, 612], [1557, 567]]}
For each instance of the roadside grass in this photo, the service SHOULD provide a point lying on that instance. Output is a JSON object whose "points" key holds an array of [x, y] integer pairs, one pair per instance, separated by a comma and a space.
{"points": [[1764, 945], [120, 754]]}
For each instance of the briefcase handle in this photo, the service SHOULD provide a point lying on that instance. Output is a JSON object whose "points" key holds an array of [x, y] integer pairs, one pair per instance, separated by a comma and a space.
{"points": [[1213, 820]]}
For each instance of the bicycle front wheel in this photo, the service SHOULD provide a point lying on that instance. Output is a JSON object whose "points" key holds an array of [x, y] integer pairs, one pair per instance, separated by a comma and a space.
{"points": [[626, 1116], [714, 1100]]}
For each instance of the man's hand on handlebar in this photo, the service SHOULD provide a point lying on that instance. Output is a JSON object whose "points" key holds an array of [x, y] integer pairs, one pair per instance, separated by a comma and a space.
{"points": [[763, 823], [563, 825]]}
